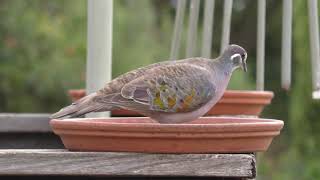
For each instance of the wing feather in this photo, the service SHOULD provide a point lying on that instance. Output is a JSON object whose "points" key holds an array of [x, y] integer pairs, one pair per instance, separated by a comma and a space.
{"points": [[171, 88]]}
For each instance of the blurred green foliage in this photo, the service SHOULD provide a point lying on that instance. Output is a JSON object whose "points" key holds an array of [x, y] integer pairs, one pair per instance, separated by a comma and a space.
{"points": [[43, 53]]}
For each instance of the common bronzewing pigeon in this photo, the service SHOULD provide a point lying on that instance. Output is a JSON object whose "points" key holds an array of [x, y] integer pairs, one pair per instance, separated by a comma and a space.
{"points": [[168, 92]]}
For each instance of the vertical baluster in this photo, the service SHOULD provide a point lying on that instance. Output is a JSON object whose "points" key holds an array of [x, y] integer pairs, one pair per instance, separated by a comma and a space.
{"points": [[261, 43], [227, 12], [314, 46], [286, 44], [99, 42], [177, 32], [207, 28], [192, 31]]}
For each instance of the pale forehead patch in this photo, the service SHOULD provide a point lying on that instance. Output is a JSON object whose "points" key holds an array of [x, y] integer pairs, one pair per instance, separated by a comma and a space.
{"points": [[245, 57]]}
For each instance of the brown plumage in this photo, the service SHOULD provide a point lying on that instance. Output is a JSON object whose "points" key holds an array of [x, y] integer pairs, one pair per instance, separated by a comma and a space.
{"points": [[169, 92]]}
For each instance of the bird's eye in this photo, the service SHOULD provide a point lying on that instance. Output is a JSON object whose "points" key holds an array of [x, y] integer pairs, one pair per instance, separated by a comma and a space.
{"points": [[243, 56]]}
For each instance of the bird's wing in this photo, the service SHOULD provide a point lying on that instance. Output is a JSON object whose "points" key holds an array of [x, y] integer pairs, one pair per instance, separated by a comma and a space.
{"points": [[171, 88]]}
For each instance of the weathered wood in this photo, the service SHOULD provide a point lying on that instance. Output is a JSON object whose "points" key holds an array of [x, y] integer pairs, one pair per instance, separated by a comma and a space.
{"points": [[62, 162], [30, 141], [55, 177], [24, 123]]}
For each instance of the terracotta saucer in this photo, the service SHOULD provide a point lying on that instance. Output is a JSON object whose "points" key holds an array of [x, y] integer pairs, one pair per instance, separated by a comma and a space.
{"points": [[233, 102], [239, 102], [141, 134]]}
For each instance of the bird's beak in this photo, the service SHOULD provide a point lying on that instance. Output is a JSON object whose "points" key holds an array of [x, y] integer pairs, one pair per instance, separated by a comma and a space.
{"points": [[244, 66]]}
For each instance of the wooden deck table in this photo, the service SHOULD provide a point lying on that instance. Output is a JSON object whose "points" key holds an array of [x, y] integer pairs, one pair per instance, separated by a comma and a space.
{"points": [[59, 162]]}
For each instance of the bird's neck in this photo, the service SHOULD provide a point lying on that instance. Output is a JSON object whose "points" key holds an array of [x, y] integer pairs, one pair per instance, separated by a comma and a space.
{"points": [[222, 66]]}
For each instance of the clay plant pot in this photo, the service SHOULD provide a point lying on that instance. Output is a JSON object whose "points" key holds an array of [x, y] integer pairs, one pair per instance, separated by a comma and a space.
{"points": [[239, 102], [233, 102], [142, 134], [76, 94]]}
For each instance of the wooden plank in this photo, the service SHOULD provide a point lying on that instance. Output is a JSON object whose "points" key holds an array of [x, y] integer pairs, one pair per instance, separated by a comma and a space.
{"points": [[24, 122], [62, 162], [55, 177]]}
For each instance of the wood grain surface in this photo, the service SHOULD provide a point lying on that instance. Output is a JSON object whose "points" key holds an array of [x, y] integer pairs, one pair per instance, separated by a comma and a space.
{"points": [[62, 162]]}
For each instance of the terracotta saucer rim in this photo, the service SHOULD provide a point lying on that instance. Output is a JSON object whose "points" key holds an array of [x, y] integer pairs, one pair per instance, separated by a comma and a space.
{"points": [[87, 124], [249, 94]]}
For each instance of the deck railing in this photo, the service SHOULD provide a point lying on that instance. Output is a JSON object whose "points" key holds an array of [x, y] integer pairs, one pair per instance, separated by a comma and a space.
{"points": [[286, 59]]}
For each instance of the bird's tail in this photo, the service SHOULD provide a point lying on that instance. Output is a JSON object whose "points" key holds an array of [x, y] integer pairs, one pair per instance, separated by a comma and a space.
{"points": [[82, 106]]}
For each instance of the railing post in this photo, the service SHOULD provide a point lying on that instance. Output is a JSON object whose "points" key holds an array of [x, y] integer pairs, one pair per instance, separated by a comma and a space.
{"points": [[99, 43], [286, 44], [314, 46], [207, 28], [177, 32], [261, 43], [226, 24], [193, 25]]}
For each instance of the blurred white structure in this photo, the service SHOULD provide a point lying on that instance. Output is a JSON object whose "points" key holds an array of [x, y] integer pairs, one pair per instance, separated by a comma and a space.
{"points": [[207, 28], [286, 56], [99, 43], [226, 24], [99, 55], [286, 44], [261, 29], [314, 46], [178, 26], [193, 26]]}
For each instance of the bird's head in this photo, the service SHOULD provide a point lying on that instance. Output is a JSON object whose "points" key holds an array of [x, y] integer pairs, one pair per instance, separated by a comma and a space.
{"points": [[235, 55]]}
